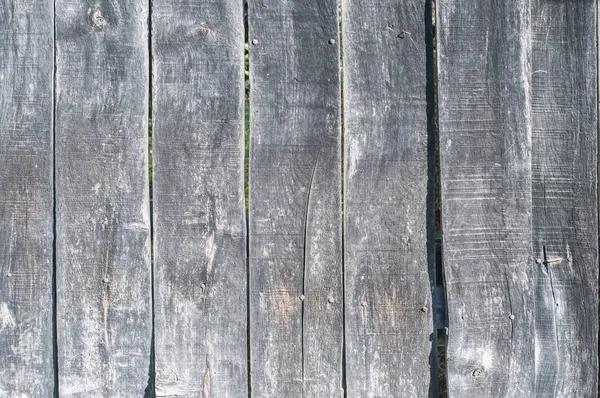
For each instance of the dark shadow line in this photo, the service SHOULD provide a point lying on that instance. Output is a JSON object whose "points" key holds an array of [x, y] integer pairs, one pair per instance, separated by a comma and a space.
{"points": [[54, 263], [150, 391], [431, 195], [246, 170]]}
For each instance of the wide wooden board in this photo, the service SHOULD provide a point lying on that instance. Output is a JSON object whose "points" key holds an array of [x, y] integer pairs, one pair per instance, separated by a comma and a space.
{"points": [[391, 343], [564, 177], [199, 223], [103, 278], [484, 81], [296, 299], [26, 199]]}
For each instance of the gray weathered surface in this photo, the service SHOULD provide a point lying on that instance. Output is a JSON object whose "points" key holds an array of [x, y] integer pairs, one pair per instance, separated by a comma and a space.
{"points": [[389, 323], [485, 155], [102, 213], [295, 205], [563, 101], [26, 73], [200, 228]]}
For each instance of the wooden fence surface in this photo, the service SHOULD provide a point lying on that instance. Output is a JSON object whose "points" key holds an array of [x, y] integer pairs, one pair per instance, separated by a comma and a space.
{"points": [[135, 268]]}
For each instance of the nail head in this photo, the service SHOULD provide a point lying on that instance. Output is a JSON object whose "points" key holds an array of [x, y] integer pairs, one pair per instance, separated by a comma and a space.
{"points": [[331, 300], [424, 309], [254, 42], [105, 280], [301, 297], [511, 316], [331, 41]]}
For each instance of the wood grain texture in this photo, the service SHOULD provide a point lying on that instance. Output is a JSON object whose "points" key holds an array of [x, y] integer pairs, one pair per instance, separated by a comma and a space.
{"points": [[296, 290], [485, 154], [565, 235], [26, 198], [102, 202], [390, 339], [200, 227]]}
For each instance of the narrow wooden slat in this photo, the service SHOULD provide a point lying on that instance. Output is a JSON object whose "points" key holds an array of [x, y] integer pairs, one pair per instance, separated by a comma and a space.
{"points": [[295, 207], [390, 340], [26, 220], [565, 235], [485, 154], [102, 214], [198, 202]]}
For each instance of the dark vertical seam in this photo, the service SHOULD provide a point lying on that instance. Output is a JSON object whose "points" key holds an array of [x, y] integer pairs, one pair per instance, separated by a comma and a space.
{"points": [[54, 267], [150, 389], [433, 389], [246, 172], [342, 192]]}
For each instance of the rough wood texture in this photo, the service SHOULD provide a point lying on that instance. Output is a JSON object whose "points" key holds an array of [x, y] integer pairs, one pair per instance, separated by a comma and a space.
{"points": [[390, 339], [485, 153], [295, 206], [200, 228], [565, 236], [26, 310], [102, 213]]}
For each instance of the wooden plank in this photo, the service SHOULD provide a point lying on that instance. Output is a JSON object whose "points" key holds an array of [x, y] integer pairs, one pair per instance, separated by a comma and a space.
{"points": [[390, 339], [485, 154], [26, 198], [200, 228], [565, 235], [296, 310], [103, 274]]}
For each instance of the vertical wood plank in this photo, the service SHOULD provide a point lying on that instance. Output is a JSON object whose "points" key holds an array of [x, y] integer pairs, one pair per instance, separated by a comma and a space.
{"points": [[200, 228], [102, 202], [565, 235], [485, 154], [390, 340], [26, 198], [296, 290]]}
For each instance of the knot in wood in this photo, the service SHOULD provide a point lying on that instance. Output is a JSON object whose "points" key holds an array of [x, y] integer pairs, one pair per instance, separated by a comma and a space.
{"points": [[97, 20]]}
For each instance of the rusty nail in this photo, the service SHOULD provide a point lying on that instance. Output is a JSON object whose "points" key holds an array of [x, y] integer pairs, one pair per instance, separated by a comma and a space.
{"points": [[331, 41], [254, 42], [301, 297]]}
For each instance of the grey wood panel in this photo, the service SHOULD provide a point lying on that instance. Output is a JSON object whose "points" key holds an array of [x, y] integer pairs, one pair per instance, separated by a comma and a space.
{"points": [[390, 338], [296, 303], [485, 154], [198, 202], [565, 235], [104, 317], [26, 198]]}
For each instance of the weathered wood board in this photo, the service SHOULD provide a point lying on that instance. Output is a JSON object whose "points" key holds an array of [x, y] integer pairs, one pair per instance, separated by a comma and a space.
{"points": [[390, 338], [26, 199], [200, 229], [296, 294], [103, 278], [484, 80], [565, 234]]}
